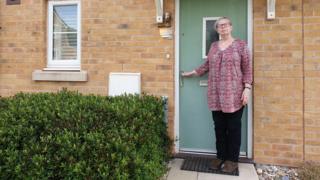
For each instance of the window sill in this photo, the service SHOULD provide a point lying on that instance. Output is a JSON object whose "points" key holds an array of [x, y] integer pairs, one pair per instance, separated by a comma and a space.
{"points": [[62, 69], [43, 75]]}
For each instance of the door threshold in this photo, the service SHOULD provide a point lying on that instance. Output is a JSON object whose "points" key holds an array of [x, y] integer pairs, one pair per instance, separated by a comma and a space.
{"points": [[184, 155]]}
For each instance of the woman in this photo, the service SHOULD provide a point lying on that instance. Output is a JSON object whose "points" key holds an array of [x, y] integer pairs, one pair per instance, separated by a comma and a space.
{"points": [[229, 83]]}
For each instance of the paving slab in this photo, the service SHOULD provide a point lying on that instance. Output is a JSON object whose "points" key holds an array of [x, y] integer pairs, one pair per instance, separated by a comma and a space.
{"points": [[175, 173]]}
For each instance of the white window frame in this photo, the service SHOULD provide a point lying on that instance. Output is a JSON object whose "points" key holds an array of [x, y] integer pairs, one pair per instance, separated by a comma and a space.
{"points": [[63, 64], [204, 34]]}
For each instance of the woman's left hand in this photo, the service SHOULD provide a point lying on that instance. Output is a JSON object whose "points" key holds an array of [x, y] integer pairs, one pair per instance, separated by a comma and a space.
{"points": [[245, 96]]}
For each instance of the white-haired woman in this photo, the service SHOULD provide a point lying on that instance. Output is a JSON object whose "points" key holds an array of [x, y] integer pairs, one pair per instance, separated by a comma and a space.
{"points": [[229, 70]]}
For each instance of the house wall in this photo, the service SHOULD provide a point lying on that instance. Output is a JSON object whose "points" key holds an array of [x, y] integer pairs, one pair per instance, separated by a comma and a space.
{"points": [[121, 36], [312, 79], [286, 81], [117, 36]]}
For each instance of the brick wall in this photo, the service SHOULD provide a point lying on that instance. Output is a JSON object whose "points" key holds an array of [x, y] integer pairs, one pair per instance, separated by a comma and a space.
{"points": [[312, 79], [117, 36], [121, 36], [278, 77], [286, 72], [22, 46]]}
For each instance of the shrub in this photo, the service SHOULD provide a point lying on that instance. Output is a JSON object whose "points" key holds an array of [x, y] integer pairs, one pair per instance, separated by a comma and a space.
{"points": [[309, 170], [74, 136]]}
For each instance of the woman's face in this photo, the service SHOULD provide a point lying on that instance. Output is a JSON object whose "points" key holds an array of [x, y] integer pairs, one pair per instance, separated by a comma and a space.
{"points": [[224, 27]]}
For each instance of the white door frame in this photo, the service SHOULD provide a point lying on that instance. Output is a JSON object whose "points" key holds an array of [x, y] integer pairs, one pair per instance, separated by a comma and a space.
{"points": [[177, 73]]}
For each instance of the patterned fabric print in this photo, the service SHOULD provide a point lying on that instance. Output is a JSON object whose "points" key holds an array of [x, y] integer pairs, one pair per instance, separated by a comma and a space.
{"points": [[228, 70]]}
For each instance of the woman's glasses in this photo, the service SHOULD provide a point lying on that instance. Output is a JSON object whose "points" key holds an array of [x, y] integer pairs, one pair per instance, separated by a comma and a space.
{"points": [[223, 25]]}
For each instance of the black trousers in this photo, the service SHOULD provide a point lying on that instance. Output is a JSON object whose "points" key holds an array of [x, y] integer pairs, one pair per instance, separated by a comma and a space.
{"points": [[227, 128]]}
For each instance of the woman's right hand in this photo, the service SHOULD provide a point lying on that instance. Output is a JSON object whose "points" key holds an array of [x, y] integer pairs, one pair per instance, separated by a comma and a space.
{"points": [[189, 74]]}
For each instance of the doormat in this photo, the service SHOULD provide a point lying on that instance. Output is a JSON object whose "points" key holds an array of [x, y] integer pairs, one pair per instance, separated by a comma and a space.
{"points": [[201, 164]]}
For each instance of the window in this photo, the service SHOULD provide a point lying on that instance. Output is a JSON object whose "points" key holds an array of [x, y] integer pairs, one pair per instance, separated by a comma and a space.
{"points": [[64, 37], [209, 34]]}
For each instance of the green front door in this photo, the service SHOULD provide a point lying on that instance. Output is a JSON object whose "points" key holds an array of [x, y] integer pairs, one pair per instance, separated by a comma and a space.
{"points": [[196, 131]]}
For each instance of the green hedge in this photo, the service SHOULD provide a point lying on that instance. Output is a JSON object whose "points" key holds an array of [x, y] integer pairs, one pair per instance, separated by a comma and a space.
{"points": [[67, 135]]}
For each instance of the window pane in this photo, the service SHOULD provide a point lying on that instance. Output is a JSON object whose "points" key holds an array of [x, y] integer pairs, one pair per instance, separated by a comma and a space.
{"points": [[65, 18], [65, 46]]}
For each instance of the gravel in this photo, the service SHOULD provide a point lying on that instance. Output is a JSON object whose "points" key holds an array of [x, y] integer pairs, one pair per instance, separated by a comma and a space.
{"points": [[270, 172]]}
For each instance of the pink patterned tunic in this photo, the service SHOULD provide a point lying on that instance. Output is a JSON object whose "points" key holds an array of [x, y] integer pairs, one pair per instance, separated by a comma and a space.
{"points": [[228, 70]]}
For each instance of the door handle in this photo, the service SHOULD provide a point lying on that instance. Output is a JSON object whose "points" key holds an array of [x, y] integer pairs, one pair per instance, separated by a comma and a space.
{"points": [[181, 78]]}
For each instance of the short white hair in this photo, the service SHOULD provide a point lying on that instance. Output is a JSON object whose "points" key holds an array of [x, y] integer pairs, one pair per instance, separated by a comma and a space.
{"points": [[221, 18]]}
